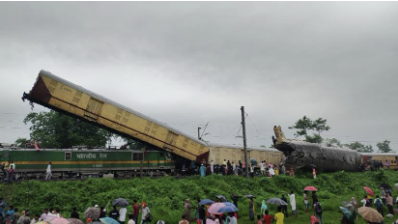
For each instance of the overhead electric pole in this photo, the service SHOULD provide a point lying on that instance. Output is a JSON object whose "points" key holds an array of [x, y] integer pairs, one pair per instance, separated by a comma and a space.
{"points": [[244, 140]]}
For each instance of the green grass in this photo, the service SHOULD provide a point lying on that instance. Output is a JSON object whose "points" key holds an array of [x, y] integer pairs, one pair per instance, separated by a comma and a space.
{"points": [[165, 196]]}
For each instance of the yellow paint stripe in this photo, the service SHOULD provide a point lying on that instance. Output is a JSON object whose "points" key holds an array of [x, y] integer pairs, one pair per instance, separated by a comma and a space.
{"points": [[87, 162]]}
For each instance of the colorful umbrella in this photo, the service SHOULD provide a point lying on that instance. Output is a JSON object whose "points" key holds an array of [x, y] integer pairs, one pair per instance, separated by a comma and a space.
{"points": [[228, 209], [370, 214], [206, 202], [229, 204], [276, 201], [368, 190], [310, 188], [345, 212], [59, 221], [75, 221], [213, 209], [108, 220]]}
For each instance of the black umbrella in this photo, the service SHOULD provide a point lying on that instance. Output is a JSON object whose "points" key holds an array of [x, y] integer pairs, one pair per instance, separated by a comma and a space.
{"points": [[385, 186], [250, 196], [221, 197], [120, 202]]}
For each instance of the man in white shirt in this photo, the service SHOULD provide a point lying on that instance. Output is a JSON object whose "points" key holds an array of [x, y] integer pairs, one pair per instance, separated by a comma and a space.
{"points": [[293, 203], [262, 168], [122, 215], [48, 171]]}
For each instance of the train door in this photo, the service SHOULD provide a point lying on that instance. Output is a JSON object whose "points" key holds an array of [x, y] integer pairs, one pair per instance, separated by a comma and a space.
{"points": [[161, 159], [93, 109]]}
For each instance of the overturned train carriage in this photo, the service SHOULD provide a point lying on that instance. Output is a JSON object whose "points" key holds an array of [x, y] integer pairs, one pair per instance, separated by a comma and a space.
{"points": [[68, 98], [304, 154]]}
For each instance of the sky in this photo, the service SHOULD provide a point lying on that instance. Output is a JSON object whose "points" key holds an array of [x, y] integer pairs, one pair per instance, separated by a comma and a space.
{"points": [[189, 64]]}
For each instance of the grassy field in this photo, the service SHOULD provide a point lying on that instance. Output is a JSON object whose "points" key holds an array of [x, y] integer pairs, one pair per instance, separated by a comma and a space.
{"points": [[165, 196]]}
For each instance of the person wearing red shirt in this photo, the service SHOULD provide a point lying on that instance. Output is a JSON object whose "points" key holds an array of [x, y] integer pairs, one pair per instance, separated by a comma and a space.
{"points": [[136, 210], [267, 218]]}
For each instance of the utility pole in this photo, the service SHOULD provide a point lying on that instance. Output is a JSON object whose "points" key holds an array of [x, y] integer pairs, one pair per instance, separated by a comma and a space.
{"points": [[199, 133], [244, 139]]}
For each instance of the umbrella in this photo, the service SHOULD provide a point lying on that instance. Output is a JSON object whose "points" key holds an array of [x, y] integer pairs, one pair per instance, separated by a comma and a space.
{"points": [[310, 188], [276, 201], [229, 204], [221, 197], [109, 220], [345, 212], [368, 190], [49, 218], [59, 221], [370, 214], [93, 213], [213, 209], [120, 202], [253, 161], [96, 222], [250, 196], [385, 186], [206, 202], [210, 221], [75, 221], [228, 209]]}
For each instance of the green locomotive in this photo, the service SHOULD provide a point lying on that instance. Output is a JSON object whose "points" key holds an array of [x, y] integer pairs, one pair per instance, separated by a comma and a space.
{"points": [[82, 163]]}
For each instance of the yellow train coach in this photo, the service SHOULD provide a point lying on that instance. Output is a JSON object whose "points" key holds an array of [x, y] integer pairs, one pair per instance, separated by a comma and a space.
{"points": [[65, 97], [235, 153]]}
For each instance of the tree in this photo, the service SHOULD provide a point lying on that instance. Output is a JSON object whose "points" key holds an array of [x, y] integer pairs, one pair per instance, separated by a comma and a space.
{"points": [[333, 143], [56, 130], [305, 124], [22, 142], [360, 147], [384, 147]]}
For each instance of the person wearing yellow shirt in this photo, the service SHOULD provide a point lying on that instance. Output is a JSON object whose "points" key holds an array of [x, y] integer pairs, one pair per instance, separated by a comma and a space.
{"points": [[279, 216]]}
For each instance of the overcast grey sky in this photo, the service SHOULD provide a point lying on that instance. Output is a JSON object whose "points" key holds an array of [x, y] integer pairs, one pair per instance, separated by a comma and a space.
{"points": [[189, 63]]}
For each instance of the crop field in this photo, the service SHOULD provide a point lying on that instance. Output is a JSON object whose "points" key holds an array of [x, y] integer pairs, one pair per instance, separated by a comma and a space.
{"points": [[165, 196]]}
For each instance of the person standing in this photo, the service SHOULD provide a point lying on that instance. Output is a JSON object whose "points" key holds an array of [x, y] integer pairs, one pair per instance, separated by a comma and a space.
{"points": [[122, 215], [44, 215], [4, 171], [74, 213], [293, 203], [314, 172], [383, 195], [251, 209], [279, 216], [390, 204], [136, 211], [114, 214], [131, 219], [145, 212], [202, 170], [318, 211], [10, 212], [3, 205], [102, 212], [379, 205], [305, 196], [48, 171], [212, 166], [202, 214], [10, 174], [267, 218], [262, 168], [187, 210], [12, 164], [388, 164], [284, 207]]}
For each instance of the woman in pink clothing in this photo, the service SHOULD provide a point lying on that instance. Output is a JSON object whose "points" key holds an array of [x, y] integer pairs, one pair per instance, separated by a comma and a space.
{"points": [[314, 220]]}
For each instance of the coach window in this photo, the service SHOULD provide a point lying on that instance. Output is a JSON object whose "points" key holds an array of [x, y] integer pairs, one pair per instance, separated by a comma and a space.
{"points": [[137, 156], [67, 155]]}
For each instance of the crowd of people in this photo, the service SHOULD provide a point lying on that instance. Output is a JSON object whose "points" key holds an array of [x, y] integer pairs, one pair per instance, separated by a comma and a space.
{"points": [[13, 216], [231, 168]]}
